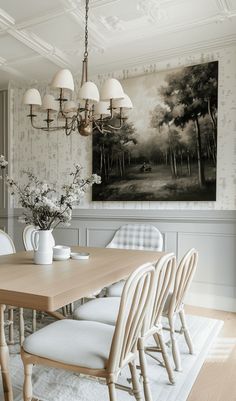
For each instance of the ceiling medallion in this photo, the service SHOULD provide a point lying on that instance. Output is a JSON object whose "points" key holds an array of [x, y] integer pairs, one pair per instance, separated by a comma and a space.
{"points": [[93, 111]]}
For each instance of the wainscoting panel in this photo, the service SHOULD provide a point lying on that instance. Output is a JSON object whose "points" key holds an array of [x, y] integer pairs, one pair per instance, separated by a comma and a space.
{"points": [[212, 233], [67, 236]]}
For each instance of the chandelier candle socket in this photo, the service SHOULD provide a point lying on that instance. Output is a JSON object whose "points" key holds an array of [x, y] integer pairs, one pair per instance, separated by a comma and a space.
{"points": [[90, 112]]}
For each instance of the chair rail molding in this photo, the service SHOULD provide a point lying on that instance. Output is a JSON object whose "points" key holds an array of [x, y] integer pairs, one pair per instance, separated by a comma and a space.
{"points": [[211, 232]]}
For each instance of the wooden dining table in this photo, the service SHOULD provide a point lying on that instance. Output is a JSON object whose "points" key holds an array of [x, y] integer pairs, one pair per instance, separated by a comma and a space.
{"points": [[50, 287]]}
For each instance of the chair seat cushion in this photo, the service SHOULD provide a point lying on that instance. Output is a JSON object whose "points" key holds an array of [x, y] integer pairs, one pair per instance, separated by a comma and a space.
{"points": [[72, 342], [115, 290], [103, 310]]}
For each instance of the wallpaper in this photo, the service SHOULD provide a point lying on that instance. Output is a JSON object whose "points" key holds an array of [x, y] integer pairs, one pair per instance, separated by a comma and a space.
{"points": [[51, 155]]}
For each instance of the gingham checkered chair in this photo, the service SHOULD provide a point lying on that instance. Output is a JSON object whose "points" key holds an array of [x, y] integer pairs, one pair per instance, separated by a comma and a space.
{"points": [[134, 236]]}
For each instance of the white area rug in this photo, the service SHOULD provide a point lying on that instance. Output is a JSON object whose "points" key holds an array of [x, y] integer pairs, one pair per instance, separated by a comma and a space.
{"points": [[57, 385]]}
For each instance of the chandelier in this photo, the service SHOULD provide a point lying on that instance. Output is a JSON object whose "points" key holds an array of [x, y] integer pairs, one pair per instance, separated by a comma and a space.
{"points": [[104, 112]]}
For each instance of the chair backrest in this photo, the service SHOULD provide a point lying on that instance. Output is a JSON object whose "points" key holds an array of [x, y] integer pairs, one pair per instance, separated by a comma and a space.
{"points": [[165, 271], [134, 304], [184, 275], [26, 235], [6, 244], [137, 236]]}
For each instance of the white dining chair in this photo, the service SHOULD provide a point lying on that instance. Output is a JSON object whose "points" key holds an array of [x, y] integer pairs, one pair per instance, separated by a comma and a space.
{"points": [[26, 236], [93, 348], [174, 305], [134, 236], [27, 241], [105, 310], [7, 247]]}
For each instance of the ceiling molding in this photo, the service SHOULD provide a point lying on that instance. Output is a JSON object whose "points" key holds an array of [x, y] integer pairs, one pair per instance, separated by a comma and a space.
{"points": [[41, 47], [42, 18], [154, 57], [6, 19], [2, 61], [32, 41], [223, 6]]}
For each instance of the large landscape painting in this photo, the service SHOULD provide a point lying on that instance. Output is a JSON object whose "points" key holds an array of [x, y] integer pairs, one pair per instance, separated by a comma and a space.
{"points": [[167, 148]]}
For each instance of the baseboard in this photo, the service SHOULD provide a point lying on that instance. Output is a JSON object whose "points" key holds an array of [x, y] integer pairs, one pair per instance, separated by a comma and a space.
{"points": [[211, 301]]}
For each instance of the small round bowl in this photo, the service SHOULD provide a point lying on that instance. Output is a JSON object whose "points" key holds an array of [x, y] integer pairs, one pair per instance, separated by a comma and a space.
{"points": [[61, 252]]}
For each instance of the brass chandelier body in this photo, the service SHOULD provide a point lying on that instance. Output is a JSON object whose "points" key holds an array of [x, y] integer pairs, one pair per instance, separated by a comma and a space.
{"points": [[104, 112]]}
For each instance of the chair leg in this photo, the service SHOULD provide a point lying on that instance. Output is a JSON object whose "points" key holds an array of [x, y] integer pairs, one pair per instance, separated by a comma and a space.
{"points": [[27, 388], [21, 326], [174, 345], [34, 320], [112, 391], [186, 332], [11, 326], [143, 365], [135, 381], [64, 311], [158, 337]]}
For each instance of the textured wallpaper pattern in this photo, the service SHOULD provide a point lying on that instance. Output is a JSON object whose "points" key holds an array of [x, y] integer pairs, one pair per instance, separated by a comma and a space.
{"points": [[51, 156]]}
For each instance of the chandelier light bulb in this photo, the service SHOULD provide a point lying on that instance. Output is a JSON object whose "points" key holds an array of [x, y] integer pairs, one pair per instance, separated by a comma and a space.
{"points": [[124, 103], [90, 111], [63, 79], [89, 91], [101, 108], [32, 97], [112, 89], [49, 103]]}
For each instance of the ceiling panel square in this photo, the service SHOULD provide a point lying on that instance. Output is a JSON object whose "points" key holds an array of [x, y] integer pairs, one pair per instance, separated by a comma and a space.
{"points": [[38, 69], [11, 48], [26, 9], [60, 32]]}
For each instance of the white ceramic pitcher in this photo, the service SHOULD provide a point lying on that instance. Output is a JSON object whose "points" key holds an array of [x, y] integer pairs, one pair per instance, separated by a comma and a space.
{"points": [[42, 242]]}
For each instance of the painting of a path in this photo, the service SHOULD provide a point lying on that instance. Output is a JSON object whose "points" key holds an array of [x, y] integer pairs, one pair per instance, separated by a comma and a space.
{"points": [[167, 147]]}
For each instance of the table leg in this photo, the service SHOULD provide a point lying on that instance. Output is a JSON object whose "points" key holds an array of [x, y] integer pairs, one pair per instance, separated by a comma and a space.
{"points": [[56, 315], [4, 359]]}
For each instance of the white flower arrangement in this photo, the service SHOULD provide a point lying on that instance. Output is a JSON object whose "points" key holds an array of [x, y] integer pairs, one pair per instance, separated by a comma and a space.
{"points": [[45, 207]]}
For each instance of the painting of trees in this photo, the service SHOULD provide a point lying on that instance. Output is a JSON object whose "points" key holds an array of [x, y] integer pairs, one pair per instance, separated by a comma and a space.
{"points": [[167, 149]]}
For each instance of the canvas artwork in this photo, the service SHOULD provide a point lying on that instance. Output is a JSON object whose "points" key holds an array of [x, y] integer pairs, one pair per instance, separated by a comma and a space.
{"points": [[167, 147]]}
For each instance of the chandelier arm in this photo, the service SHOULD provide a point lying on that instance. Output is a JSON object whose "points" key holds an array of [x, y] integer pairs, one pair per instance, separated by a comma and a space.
{"points": [[48, 128]]}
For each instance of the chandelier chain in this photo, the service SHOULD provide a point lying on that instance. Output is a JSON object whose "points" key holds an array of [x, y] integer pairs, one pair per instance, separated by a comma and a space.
{"points": [[86, 30]]}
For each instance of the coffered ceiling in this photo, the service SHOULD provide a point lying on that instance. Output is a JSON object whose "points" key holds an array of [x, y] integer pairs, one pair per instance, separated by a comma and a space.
{"points": [[39, 37]]}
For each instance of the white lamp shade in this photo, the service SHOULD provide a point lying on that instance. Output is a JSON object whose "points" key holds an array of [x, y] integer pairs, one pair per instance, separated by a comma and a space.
{"points": [[70, 106], [124, 103], [101, 108], [112, 89], [32, 96], [89, 91], [63, 79], [49, 103]]}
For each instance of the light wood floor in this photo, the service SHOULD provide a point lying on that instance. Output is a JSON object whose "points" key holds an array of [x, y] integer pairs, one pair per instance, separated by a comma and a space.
{"points": [[217, 378]]}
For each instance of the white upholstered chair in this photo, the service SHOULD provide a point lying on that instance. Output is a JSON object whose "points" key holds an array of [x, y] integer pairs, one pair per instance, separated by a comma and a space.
{"points": [[134, 236], [105, 310], [175, 303], [94, 348], [7, 247]]}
